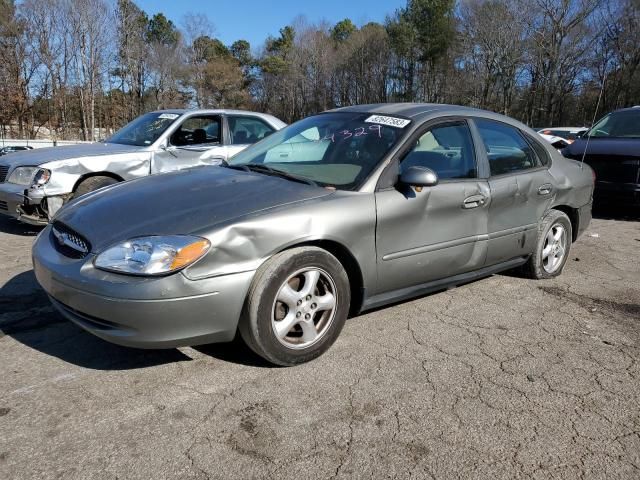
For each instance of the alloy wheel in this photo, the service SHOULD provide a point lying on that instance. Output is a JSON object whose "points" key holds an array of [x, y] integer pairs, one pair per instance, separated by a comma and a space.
{"points": [[304, 308], [555, 247]]}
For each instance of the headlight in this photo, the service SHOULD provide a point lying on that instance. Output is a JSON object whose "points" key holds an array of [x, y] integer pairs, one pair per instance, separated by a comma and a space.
{"points": [[156, 255], [22, 175], [42, 177]]}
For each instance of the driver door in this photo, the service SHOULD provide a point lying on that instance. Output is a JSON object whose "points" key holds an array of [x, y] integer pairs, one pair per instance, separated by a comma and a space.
{"points": [[435, 232], [196, 141]]}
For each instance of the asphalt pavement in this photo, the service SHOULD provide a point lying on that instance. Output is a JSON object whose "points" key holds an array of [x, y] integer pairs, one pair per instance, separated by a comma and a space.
{"points": [[501, 378]]}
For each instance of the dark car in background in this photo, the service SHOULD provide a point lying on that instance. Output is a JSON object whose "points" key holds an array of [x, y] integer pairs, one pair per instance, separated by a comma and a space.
{"points": [[612, 149]]}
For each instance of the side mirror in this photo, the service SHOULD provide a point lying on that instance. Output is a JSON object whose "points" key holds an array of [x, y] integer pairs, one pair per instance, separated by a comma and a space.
{"points": [[419, 177]]}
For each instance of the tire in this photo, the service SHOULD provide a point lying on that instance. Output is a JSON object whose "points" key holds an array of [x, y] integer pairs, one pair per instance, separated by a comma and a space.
{"points": [[93, 183], [551, 253], [281, 297]]}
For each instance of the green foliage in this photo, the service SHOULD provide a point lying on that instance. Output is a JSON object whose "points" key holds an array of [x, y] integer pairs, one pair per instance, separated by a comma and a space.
{"points": [[241, 51], [343, 30], [423, 29], [283, 44], [163, 31], [433, 24], [209, 49]]}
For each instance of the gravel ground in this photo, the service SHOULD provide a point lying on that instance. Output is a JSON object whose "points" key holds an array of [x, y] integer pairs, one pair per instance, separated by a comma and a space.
{"points": [[501, 378]]}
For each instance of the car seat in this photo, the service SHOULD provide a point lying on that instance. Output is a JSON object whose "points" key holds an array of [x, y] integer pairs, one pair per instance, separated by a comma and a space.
{"points": [[199, 136]]}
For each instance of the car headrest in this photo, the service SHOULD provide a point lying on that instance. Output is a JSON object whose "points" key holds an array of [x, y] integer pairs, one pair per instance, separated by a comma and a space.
{"points": [[199, 136]]}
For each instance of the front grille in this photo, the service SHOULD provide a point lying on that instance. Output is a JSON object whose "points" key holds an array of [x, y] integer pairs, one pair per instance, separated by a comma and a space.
{"points": [[4, 206], [4, 169], [69, 243]]}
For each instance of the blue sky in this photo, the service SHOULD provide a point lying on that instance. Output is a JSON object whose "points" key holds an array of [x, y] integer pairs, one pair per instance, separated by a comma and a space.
{"points": [[254, 20]]}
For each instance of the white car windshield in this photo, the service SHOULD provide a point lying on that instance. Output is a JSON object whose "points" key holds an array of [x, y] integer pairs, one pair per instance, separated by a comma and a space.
{"points": [[144, 130], [338, 149]]}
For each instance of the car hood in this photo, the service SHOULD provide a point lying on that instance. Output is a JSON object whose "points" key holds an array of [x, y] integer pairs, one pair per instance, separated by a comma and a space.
{"points": [[184, 202], [624, 147], [38, 156]]}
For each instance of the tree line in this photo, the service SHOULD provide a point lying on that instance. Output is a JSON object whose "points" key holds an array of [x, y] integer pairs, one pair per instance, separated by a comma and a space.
{"points": [[82, 68]]}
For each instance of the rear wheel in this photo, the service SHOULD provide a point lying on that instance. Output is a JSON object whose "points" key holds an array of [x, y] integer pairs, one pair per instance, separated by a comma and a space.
{"points": [[93, 183], [552, 247], [296, 306]]}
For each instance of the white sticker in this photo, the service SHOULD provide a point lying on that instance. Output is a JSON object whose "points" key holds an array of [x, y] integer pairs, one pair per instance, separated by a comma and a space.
{"points": [[170, 116], [390, 121]]}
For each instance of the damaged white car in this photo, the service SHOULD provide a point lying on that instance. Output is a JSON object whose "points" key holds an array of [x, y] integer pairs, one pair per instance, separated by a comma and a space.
{"points": [[34, 184]]}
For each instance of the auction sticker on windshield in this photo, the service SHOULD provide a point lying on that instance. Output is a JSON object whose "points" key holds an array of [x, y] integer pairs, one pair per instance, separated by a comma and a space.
{"points": [[389, 121], [169, 116]]}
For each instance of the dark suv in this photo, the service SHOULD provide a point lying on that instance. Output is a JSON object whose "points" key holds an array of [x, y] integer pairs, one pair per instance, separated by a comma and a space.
{"points": [[613, 152]]}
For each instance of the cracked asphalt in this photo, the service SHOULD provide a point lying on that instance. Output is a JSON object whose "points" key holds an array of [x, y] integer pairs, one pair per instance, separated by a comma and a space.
{"points": [[500, 378]]}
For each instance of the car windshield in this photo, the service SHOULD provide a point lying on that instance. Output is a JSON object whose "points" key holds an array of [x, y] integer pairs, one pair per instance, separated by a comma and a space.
{"points": [[144, 130], [333, 149], [624, 124]]}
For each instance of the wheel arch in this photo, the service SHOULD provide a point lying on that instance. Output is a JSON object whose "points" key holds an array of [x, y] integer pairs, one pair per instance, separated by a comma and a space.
{"points": [[350, 264], [574, 218], [97, 174]]}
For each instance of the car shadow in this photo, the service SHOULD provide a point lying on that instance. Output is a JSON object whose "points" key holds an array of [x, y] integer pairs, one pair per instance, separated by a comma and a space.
{"points": [[27, 316], [616, 213], [235, 352], [14, 227]]}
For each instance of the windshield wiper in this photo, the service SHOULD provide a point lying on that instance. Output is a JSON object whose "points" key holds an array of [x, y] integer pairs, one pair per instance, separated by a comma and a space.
{"points": [[260, 168]]}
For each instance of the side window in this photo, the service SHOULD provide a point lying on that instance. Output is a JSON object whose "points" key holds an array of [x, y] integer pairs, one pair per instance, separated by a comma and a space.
{"points": [[447, 150], [541, 152], [248, 130], [200, 130], [507, 150]]}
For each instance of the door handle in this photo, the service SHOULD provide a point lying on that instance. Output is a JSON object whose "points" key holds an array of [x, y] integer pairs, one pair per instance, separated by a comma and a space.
{"points": [[474, 201], [545, 189]]}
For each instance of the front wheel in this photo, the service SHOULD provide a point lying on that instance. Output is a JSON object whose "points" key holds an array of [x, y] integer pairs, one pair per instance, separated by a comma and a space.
{"points": [[552, 247], [92, 184], [296, 306]]}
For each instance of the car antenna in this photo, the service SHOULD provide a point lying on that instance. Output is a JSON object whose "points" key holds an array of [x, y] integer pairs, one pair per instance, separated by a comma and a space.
{"points": [[595, 115]]}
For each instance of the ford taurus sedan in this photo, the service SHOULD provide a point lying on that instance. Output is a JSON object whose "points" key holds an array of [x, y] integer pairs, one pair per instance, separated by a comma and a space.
{"points": [[336, 214], [35, 184]]}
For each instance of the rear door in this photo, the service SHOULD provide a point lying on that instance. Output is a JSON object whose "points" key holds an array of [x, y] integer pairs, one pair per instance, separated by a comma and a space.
{"points": [[436, 232], [521, 189], [196, 141]]}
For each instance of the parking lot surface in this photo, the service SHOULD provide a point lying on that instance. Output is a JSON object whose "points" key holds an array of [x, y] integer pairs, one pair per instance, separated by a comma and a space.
{"points": [[501, 378]]}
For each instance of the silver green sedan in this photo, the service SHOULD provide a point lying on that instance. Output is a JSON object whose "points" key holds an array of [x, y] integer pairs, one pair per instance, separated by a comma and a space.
{"points": [[336, 214]]}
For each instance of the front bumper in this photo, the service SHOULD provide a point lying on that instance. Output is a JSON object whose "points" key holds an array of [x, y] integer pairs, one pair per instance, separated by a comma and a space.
{"points": [[142, 312], [11, 198], [15, 203]]}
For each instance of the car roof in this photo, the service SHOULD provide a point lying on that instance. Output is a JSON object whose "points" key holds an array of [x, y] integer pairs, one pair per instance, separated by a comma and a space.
{"points": [[222, 111], [635, 108], [425, 111]]}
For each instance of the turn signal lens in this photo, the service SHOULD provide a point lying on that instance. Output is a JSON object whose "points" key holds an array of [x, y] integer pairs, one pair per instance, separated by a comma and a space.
{"points": [[189, 254]]}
